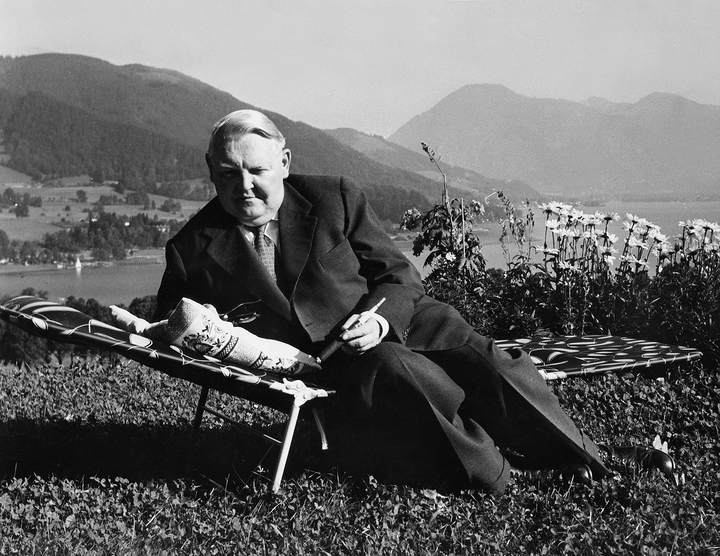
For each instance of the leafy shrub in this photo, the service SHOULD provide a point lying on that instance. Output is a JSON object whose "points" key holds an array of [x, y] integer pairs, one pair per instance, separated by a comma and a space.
{"points": [[144, 307], [651, 287], [685, 296], [17, 346]]}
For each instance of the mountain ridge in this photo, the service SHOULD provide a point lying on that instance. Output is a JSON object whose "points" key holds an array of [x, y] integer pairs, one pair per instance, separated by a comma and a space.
{"points": [[461, 181], [179, 108], [660, 144]]}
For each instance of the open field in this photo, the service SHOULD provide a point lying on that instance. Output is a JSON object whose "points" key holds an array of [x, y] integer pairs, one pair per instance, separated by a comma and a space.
{"points": [[60, 206], [95, 460], [9, 176]]}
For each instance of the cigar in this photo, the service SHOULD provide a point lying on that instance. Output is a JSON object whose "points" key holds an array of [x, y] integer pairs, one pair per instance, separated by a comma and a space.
{"points": [[357, 320]]}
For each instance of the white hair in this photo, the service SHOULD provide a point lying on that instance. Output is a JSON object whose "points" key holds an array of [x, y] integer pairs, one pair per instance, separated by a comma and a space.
{"points": [[242, 122]]}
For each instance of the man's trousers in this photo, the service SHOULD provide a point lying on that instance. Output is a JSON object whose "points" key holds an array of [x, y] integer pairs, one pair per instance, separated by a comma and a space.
{"points": [[459, 418]]}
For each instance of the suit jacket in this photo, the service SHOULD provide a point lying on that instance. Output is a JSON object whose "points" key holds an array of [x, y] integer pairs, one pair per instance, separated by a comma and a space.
{"points": [[335, 260]]}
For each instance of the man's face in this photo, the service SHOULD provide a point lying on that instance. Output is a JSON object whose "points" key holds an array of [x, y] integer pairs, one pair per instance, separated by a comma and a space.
{"points": [[248, 172]]}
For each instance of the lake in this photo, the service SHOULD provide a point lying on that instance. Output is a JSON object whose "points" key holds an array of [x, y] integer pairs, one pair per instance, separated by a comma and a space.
{"points": [[116, 284], [665, 215], [120, 284]]}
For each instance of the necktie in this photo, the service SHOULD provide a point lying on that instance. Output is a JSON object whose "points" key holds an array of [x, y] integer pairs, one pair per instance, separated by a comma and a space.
{"points": [[266, 249]]}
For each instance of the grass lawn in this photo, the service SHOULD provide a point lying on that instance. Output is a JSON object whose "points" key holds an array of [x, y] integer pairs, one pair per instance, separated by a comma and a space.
{"points": [[94, 459]]}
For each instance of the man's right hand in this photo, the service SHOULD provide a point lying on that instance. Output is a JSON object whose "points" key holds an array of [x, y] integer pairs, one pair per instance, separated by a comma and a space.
{"points": [[361, 338]]}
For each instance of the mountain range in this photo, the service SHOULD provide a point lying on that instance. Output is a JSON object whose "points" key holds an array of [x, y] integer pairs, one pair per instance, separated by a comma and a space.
{"points": [[663, 145], [462, 182], [64, 114]]}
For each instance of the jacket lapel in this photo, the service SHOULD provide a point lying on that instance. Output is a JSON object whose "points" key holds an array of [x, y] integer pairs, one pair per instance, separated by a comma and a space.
{"points": [[297, 228], [232, 252], [235, 255]]}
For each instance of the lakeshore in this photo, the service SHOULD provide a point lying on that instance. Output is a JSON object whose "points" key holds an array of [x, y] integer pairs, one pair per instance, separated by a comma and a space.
{"points": [[117, 282], [120, 282]]}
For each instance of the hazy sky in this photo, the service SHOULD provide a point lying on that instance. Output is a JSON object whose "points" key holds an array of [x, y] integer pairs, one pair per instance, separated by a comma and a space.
{"points": [[374, 64]]}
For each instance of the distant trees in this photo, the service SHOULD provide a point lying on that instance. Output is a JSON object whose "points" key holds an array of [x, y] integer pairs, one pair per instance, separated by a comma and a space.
{"points": [[81, 196], [170, 205], [138, 198], [48, 139], [92, 308], [107, 236], [4, 246], [8, 197], [22, 211], [109, 200], [19, 204], [11, 199], [391, 202], [144, 307], [16, 345]]}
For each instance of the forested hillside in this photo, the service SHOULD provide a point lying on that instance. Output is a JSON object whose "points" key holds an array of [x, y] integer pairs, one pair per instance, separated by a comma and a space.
{"points": [[64, 115], [47, 139]]}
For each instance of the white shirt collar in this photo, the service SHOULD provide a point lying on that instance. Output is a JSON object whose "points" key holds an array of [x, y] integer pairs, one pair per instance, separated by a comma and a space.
{"points": [[272, 230]]}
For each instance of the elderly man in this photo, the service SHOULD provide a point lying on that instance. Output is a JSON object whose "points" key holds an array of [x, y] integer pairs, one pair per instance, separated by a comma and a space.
{"points": [[421, 395]]}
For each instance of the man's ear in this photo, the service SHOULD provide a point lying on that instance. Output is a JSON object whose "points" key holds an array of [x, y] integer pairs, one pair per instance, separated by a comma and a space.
{"points": [[286, 156], [208, 161]]}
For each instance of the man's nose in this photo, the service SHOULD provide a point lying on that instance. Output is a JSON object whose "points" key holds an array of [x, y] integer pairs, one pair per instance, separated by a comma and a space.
{"points": [[245, 181]]}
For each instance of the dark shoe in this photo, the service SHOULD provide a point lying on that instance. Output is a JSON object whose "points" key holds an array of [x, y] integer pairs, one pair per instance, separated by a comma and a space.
{"points": [[575, 473], [643, 458]]}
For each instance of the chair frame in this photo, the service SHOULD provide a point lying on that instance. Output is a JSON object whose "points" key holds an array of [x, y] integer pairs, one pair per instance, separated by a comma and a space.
{"points": [[63, 324], [299, 400], [555, 358]]}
